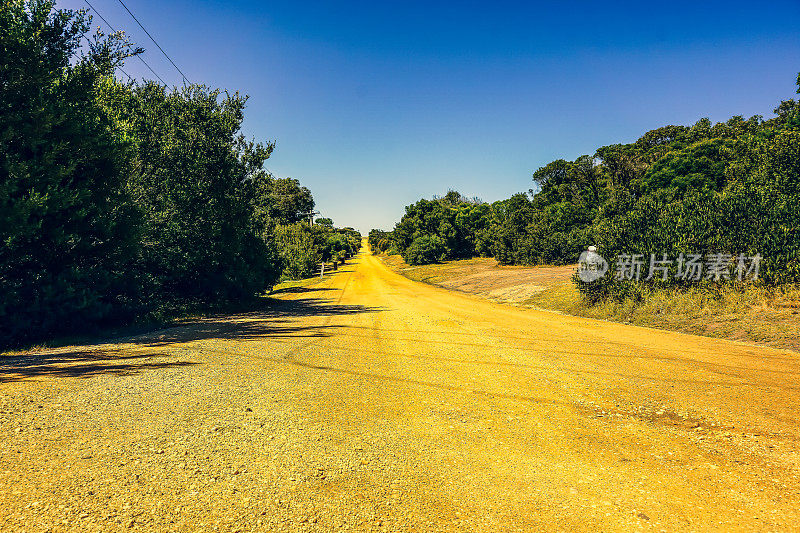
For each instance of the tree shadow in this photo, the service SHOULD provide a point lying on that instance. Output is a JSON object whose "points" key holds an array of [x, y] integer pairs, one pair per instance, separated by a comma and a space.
{"points": [[301, 290], [266, 318], [81, 364]]}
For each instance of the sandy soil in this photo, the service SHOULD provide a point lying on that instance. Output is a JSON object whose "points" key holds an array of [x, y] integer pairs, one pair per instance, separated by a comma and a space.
{"points": [[484, 277], [369, 402]]}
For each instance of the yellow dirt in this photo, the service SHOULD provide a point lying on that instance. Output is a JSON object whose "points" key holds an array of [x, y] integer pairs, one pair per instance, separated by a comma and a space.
{"points": [[760, 315], [371, 402]]}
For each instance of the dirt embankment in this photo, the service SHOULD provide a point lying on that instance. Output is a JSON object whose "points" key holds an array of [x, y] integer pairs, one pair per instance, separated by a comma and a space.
{"points": [[485, 277]]}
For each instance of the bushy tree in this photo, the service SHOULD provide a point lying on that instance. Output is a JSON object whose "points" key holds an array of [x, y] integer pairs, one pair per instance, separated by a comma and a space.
{"points": [[700, 165], [453, 218], [191, 175], [118, 200], [380, 241], [424, 250], [724, 188], [280, 200], [730, 188], [298, 253], [68, 230]]}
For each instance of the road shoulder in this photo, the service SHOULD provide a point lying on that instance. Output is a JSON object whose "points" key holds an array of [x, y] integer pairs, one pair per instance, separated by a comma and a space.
{"points": [[753, 316]]}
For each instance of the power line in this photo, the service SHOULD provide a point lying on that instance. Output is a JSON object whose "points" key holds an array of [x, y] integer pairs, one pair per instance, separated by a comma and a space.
{"points": [[154, 41], [128, 75], [139, 56]]}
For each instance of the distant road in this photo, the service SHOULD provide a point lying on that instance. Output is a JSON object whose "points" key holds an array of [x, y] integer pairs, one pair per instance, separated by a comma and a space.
{"points": [[373, 402]]}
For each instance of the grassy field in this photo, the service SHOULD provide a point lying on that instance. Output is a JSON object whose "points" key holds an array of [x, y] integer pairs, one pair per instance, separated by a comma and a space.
{"points": [[770, 317]]}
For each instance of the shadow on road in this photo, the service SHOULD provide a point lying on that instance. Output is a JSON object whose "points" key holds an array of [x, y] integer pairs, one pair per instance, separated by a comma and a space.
{"points": [[80, 363], [268, 318], [300, 290]]}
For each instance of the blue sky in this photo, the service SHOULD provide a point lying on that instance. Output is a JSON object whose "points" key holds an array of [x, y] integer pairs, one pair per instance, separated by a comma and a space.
{"points": [[376, 104]]}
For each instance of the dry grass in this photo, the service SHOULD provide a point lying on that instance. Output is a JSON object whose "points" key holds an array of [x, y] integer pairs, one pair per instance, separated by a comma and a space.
{"points": [[754, 314], [483, 276], [769, 317]]}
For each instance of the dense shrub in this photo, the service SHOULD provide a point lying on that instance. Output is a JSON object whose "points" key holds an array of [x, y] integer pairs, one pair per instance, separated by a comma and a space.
{"points": [[299, 256], [380, 241], [425, 250], [201, 240], [303, 247], [450, 218], [68, 230]]}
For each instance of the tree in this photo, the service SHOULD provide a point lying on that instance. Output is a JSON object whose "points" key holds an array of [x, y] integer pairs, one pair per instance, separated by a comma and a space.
{"points": [[698, 166], [446, 217], [299, 253], [730, 187], [68, 230], [280, 200], [424, 250], [202, 241]]}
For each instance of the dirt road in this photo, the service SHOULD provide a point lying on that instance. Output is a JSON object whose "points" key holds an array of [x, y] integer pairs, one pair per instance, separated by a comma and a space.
{"points": [[371, 402]]}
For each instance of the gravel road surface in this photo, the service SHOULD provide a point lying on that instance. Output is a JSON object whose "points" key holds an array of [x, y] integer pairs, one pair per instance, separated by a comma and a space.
{"points": [[370, 402]]}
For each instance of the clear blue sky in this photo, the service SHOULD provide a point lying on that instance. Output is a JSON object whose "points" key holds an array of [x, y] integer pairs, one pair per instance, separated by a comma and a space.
{"points": [[376, 104]]}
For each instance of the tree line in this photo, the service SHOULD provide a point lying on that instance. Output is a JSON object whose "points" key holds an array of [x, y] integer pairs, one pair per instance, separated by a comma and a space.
{"points": [[730, 188], [124, 200]]}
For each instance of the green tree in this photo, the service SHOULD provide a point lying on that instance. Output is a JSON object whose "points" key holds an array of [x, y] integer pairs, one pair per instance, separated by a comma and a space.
{"points": [[194, 178], [68, 230], [425, 249], [280, 200], [698, 166], [299, 252]]}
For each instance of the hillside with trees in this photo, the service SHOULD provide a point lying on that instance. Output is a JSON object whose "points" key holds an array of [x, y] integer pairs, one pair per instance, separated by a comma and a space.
{"points": [[127, 200], [730, 189]]}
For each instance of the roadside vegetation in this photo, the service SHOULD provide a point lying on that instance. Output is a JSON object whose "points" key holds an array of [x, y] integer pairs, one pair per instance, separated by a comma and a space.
{"points": [[728, 190], [769, 316], [128, 200]]}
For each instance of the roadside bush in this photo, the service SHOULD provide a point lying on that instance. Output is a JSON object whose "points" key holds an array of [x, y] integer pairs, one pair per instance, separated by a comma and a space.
{"points": [[380, 241], [125, 200], [756, 212], [299, 256], [454, 219], [425, 250], [202, 243], [724, 188]]}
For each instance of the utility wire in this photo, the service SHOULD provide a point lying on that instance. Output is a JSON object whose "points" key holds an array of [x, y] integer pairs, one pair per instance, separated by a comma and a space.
{"points": [[185, 80], [128, 75], [139, 56]]}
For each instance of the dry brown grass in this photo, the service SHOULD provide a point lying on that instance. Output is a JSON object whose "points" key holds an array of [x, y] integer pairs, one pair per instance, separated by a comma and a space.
{"points": [[764, 316], [483, 276], [754, 314]]}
